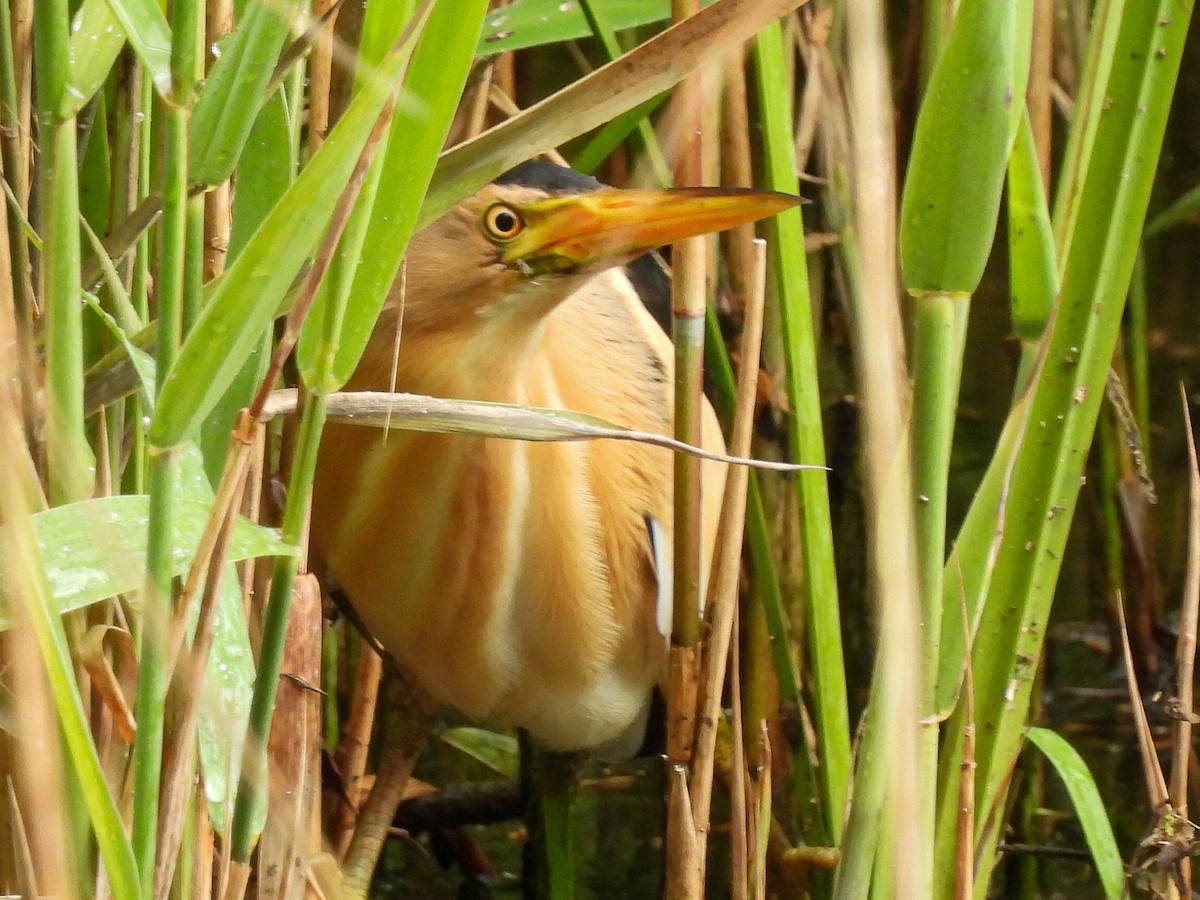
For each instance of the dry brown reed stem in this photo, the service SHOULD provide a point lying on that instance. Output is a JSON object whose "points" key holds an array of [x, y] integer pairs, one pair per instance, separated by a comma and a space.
{"points": [[737, 168], [18, 373], [18, 272], [477, 103], [879, 342], [251, 509], [203, 848], [404, 733], [1156, 784], [684, 854], [721, 609], [354, 742], [1038, 95], [22, 877], [320, 68], [37, 747], [293, 747], [22, 21], [1185, 644], [810, 32], [217, 210]]}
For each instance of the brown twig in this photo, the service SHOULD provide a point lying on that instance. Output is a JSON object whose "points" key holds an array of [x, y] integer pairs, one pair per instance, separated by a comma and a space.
{"points": [[722, 602], [1185, 644]]}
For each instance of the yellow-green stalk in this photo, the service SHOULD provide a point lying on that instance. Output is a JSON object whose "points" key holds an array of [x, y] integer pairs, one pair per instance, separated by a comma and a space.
{"points": [[188, 25], [949, 211]]}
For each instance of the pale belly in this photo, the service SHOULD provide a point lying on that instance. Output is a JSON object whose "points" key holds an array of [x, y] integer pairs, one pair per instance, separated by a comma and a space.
{"points": [[506, 599]]}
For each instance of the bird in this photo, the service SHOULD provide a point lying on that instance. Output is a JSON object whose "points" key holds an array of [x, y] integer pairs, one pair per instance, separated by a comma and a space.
{"points": [[527, 585]]}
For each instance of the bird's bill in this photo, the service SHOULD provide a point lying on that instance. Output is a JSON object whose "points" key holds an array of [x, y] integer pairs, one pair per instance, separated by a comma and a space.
{"points": [[581, 230]]}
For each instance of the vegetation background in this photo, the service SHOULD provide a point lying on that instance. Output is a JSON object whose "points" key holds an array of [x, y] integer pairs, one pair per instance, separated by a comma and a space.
{"points": [[961, 662]]}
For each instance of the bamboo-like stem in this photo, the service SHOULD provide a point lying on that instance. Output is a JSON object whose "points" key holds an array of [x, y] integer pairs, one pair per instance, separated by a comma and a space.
{"points": [[68, 454], [688, 286], [688, 289], [689, 271], [187, 22], [939, 340], [193, 264], [152, 680]]}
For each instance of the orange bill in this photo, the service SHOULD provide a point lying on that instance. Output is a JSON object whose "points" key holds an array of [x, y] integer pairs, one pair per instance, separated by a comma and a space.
{"points": [[579, 230]]}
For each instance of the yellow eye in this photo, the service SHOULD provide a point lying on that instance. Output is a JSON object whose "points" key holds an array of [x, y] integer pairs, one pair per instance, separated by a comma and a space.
{"points": [[502, 222]]}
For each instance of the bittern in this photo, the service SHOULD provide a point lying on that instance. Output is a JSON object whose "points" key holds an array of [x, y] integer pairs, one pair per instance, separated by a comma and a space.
{"points": [[526, 584]]}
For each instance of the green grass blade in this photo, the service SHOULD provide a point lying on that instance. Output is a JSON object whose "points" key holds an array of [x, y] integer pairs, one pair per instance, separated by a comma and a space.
{"points": [[609, 137], [1033, 266], [96, 549], [1182, 210], [229, 675], [91, 51], [1089, 808], [235, 90], [602, 26], [805, 434], [1041, 481], [960, 149], [148, 33], [532, 23], [253, 288], [26, 578], [336, 334]]}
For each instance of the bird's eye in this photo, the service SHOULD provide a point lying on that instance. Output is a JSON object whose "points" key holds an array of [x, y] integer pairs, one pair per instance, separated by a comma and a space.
{"points": [[502, 222]]}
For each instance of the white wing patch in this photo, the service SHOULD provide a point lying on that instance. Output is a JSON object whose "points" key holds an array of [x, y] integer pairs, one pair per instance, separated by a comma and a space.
{"points": [[664, 572]]}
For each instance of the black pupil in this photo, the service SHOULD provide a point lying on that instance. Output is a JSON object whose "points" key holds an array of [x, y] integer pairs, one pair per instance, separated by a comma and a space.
{"points": [[504, 222]]}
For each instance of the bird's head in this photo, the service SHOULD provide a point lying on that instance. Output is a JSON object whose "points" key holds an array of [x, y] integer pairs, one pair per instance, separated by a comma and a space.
{"points": [[527, 241]]}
